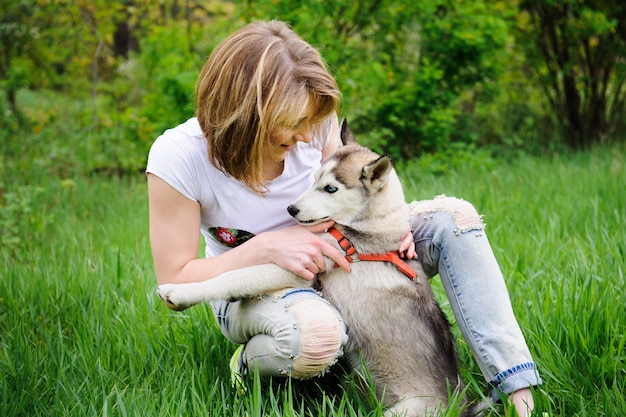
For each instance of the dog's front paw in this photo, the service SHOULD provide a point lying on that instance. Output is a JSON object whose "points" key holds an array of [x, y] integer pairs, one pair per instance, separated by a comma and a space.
{"points": [[177, 295]]}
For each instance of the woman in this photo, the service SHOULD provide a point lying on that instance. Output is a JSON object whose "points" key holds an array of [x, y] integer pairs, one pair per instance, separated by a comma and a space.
{"points": [[266, 118]]}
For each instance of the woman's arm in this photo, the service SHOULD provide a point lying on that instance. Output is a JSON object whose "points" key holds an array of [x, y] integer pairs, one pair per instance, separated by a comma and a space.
{"points": [[175, 239]]}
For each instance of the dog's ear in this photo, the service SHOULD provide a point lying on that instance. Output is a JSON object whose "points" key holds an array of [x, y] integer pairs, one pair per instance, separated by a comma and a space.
{"points": [[346, 134], [375, 174]]}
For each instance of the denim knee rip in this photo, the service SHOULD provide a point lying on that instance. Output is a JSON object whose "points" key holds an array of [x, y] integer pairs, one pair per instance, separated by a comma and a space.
{"points": [[320, 331], [465, 215], [320, 338]]}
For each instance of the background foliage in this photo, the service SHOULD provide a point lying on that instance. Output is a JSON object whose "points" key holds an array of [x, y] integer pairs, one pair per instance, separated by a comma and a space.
{"points": [[576, 49], [422, 77]]}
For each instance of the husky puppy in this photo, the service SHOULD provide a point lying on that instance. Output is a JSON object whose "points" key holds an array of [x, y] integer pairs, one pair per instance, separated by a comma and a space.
{"points": [[395, 326]]}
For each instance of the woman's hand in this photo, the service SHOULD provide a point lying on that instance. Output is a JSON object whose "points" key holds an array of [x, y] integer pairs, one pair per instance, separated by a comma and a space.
{"points": [[299, 250], [407, 246]]}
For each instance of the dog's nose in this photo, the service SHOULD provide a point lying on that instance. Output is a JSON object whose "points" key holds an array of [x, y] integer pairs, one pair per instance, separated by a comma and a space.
{"points": [[293, 210]]}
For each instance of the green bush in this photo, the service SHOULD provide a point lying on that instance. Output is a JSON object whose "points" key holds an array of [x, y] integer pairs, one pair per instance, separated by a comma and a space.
{"points": [[167, 71], [405, 68], [459, 54], [417, 77]]}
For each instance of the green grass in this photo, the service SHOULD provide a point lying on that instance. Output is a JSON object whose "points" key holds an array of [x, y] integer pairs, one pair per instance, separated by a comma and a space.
{"points": [[82, 334]]}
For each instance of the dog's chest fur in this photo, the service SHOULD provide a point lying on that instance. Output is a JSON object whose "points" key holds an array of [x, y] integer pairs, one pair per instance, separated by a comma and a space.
{"points": [[394, 326]]}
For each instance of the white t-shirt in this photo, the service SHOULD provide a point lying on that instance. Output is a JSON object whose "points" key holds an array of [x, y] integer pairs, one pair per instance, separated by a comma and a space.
{"points": [[230, 212]]}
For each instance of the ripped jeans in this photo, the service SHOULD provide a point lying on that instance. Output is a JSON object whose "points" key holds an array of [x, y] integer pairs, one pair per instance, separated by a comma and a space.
{"points": [[293, 332], [450, 241], [282, 332]]}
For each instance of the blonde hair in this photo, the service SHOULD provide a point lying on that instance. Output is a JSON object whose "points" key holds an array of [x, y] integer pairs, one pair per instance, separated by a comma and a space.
{"points": [[260, 77]]}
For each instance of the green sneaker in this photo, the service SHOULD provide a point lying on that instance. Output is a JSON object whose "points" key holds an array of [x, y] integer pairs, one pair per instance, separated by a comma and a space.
{"points": [[236, 375]]}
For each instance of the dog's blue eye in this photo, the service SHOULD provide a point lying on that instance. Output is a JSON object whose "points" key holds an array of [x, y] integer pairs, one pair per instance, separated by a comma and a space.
{"points": [[330, 189]]}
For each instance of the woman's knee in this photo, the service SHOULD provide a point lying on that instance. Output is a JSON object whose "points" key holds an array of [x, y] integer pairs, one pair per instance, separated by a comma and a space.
{"points": [[463, 213], [322, 335], [437, 224], [301, 336]]}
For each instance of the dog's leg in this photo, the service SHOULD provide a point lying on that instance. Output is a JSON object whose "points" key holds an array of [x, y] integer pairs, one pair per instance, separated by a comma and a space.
{"points": [[233, 285]]}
